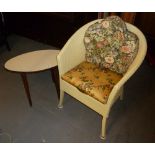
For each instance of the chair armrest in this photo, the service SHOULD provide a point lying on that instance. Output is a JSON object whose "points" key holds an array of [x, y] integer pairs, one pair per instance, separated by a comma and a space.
{"points": [[72, 54], [133, 67]]}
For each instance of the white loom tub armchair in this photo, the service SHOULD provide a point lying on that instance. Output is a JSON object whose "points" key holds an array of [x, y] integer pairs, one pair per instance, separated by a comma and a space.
{"points": [[73, 53]]}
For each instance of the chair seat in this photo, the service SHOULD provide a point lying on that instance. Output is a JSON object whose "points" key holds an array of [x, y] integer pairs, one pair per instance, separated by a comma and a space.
{"points": [[91, 80]]}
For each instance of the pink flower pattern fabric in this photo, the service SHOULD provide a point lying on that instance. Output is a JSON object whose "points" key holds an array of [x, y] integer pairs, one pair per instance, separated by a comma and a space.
{"points": [[109, 44]]}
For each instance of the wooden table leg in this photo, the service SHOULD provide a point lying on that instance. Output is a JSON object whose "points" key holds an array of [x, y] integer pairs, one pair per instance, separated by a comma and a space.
{"points": [[55, 77], [26, 86]]}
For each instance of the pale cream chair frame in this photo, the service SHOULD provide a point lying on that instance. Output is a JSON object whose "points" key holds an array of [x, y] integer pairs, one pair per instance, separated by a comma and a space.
{"points": [[73, 53]]}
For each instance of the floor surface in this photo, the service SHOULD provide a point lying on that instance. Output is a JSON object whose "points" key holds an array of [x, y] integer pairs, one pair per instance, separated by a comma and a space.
{"points": [[130, 120]]}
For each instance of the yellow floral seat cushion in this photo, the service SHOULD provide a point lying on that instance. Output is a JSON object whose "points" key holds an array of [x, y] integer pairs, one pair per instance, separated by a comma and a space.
{"points": [[93, 81]]}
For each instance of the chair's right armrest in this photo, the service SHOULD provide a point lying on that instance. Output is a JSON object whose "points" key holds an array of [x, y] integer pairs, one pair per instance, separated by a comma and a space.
{"points": [[71, 54]]}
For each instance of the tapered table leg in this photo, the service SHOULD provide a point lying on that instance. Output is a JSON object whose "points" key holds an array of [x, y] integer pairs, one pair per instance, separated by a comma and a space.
{"points": [[55, 77], [26, 86]]}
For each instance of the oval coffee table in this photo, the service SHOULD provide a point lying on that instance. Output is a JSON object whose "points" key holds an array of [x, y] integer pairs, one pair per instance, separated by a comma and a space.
{"points": [[35, 61]]}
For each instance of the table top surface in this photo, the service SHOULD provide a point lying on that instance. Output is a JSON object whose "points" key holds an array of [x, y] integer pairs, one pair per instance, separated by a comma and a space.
{"points": [[33, 61]]}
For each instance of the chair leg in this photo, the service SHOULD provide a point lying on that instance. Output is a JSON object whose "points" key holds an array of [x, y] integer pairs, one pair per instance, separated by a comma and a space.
{"points": [[60, 105], [122, 93], [103, 132]]}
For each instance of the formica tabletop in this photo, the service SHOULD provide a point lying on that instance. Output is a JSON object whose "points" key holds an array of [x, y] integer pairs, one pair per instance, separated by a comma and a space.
{"points": [[33, 61]]}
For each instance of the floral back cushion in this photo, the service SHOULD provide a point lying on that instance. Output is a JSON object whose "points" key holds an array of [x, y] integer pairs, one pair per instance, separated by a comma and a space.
{"points": [[109, 44]]}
